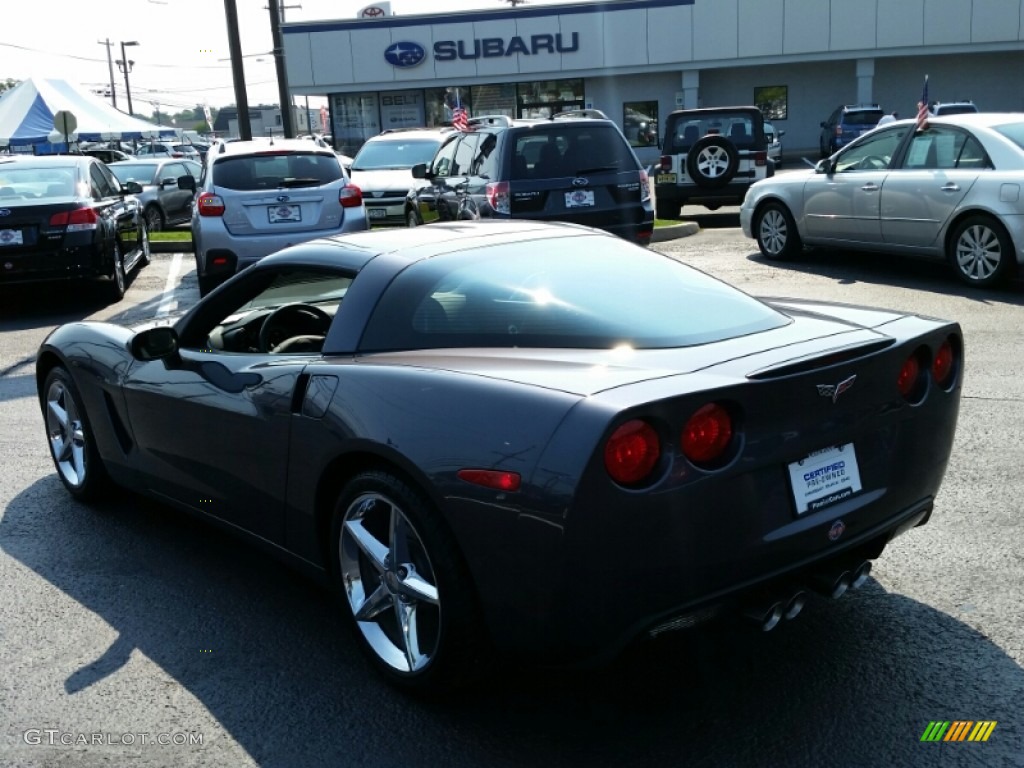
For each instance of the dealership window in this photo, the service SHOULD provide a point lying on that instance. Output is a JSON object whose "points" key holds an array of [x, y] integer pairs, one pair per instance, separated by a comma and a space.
{"points": [[356, 118], [546, 97], [440, 102], [640, 123], [773, 101]]}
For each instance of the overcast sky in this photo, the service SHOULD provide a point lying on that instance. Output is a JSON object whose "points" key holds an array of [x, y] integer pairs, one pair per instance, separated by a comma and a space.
{"points": [[181, 42]]}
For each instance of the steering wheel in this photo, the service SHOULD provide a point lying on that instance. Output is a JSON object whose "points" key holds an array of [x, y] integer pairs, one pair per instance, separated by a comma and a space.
{"points": [[278, 327], [873, 163]]}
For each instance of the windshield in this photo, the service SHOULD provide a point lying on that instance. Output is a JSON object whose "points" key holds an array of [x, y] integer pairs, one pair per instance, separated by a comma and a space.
{"points": [[598, 293], [141, 173], [395, 155]]}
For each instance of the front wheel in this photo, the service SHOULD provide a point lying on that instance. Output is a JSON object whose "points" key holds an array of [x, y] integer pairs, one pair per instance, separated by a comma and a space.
{"points": [[405, 589], [154, 219], [69, 435], [980, 251], [411, 219], [776, 232], [118, 280]]}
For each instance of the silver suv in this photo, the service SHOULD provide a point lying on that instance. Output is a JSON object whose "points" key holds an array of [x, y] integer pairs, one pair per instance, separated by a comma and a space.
{"points": [[382, 168], [257, 197]]}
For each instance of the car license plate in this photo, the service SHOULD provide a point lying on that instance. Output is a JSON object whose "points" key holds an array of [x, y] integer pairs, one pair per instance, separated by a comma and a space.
{"points": [[581, 198], [377, 213], [284, 213], [824, 478], [666, 178], [11, 237]]}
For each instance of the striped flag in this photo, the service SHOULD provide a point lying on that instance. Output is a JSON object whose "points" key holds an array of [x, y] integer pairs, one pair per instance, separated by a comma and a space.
{"points": [[922, 108], [460, 117]]}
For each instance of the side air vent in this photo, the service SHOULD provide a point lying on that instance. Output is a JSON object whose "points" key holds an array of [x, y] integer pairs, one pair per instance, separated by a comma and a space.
{"points": [[123, 438], [818, 361]]}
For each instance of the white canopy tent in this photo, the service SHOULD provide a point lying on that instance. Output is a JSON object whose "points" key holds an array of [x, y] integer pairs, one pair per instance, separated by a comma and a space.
{"points": [[27, 111]]}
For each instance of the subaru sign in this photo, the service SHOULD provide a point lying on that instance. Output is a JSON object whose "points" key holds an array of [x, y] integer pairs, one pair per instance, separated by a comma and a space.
{"points": [[405, 55]]}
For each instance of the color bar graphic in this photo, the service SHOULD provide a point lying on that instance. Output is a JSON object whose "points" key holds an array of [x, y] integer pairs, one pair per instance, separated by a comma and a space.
{"points": [[958, 730]]}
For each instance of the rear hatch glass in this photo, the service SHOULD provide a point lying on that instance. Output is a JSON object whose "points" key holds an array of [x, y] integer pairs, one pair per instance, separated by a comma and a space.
{"points": [[741, 128]]}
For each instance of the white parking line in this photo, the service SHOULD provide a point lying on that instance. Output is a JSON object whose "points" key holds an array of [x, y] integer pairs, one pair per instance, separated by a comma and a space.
{"points": [[168, 301]]}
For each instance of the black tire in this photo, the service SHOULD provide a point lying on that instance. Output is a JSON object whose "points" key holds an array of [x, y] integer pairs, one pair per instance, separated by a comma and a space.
{"points": [[70, 438], [154, 219], [980, 251], [448, 637], [776, 233], [146, 256], [207, 284], [411, 219], [667, 211], [712, 161], [118, 283]]}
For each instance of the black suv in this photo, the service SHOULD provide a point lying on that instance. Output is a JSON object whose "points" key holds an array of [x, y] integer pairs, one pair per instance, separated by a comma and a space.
{"points": [[575, 167], [845, 124], [710, 157]]}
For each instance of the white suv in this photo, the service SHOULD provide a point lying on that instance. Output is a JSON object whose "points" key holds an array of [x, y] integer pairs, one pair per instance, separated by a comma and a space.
{"points": [[257, 197]]}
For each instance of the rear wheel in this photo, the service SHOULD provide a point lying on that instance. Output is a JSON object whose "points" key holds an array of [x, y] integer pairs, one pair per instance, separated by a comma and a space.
{"points": [[402, 581], [776, 232], [69, 435], [145, 257], [411, 219], [118, 281], [981, 251]]}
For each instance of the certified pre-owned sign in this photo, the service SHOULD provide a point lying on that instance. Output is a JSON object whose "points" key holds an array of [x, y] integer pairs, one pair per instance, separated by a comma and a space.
{"points": [[405, 55]]}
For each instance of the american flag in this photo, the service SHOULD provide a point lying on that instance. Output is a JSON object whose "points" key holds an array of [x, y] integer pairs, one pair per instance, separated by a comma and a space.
{"points": [[922, 108], [460, 119]]}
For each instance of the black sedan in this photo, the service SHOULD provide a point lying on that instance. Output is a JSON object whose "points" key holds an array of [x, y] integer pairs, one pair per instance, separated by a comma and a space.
{"points": [[516, 437], [67, 217]]}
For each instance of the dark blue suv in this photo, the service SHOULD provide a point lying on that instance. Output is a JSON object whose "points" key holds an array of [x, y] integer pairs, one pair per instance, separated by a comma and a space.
{"points": [[846, 124]]}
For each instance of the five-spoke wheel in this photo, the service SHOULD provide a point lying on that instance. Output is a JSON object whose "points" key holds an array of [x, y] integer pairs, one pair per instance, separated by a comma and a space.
{"points": [[72, 445]]}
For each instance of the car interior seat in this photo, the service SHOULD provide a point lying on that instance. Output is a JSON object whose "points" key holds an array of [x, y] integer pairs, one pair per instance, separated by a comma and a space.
{"points": [[549, 162], [738, 133], [690, 135], [430, 317]]}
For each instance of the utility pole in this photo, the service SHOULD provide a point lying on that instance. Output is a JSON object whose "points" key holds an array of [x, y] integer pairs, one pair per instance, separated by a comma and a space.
{"points": [[287, 113], [237, 72], [110, 66]]}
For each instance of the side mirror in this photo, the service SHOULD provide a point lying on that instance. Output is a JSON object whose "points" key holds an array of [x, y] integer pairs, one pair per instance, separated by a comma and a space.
{"points": [[187, 182], [160, 343], [824, 166], [168, 183], [419, 171], [132, 187]]}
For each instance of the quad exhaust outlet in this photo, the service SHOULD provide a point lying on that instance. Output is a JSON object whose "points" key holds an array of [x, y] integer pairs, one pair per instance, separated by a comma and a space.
{"points": [[768, 611]]}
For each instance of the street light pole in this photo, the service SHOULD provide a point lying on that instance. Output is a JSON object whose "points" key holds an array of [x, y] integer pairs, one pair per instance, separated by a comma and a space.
{"points": [[125, 65]]}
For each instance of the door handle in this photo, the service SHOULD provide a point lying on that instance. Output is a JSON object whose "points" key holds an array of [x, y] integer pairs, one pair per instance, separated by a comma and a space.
{"points": [[950, 187], [870, 187]]}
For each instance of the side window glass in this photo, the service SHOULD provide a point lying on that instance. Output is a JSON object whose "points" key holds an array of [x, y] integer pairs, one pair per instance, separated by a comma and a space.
{"points": [[464, 155], [442, 167], [972, 155], [484, 162], [172, 171], [935, 148], [872, 154], [101, 186]]}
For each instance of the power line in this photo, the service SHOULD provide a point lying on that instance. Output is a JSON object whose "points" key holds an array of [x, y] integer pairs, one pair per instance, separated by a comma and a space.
{"points": [[104, 61]]}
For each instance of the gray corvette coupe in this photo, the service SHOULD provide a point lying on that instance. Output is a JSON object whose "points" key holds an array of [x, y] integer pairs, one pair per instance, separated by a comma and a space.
{"points": [[515, 438]]}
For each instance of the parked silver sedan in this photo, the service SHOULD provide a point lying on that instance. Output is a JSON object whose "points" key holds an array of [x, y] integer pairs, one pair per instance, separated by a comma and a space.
{"points": [[950, 191]]}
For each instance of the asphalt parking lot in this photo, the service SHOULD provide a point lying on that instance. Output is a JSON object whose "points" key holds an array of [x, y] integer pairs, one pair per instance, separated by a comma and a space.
{"points": [[129, 619]]}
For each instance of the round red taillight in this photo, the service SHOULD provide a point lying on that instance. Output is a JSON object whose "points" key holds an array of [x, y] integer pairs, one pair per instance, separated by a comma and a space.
{"points": [[907, 380], [707, 434], [632, 452], [942, 365]]}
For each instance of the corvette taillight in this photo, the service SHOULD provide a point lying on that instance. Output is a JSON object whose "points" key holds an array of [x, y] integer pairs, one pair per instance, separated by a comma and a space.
{"points": [[707, 434], [632, 452], [942, 365], [491, 478], [908, 378], [350, 196], [210, 204]]}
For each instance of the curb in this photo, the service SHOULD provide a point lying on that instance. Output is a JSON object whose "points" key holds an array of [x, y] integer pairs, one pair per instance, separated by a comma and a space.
{"points": [[683, 229], [174, 246]]}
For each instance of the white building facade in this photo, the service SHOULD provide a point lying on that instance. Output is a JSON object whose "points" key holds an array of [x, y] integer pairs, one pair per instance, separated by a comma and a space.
{"points": [[636, 60]]}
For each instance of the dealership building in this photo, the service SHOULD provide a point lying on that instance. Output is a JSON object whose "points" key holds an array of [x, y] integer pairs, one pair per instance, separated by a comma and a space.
{"points": [[637, 60]]}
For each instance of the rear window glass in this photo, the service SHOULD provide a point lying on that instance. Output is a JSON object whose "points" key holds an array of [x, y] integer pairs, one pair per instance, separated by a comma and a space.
{"points": [[555, 151], [270, 171], [1013, 131], [739, 127], [864, 117], [599, 293], [35, 183], [397, 155]]}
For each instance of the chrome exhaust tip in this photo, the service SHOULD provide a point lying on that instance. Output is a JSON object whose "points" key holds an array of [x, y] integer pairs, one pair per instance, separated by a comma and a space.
{"points": [[766, 617], [860, 576], [794, 605], [832, 585]]}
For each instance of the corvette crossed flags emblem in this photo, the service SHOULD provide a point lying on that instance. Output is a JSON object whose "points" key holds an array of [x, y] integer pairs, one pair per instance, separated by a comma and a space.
{"points": [[835, 390]]}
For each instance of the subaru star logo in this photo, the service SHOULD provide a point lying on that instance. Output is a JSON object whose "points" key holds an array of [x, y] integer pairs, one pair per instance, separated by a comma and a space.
{"points": [[835, 390], [5, 211], [405, 55], [579, 181]]}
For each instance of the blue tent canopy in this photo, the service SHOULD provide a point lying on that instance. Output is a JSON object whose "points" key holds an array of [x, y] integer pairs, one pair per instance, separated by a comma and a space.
{"points": [[27, 110]]}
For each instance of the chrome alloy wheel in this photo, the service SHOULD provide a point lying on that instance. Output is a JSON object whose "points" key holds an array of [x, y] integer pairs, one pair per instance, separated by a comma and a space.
{"points": [[390, 583], [66, 433], [713, 162], [773, 231], [979, 252]]}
